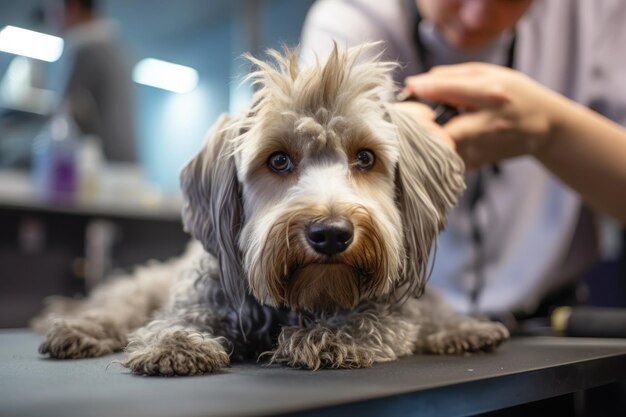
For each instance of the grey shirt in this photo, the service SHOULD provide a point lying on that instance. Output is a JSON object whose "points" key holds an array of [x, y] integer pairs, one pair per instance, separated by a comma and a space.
{"points": [[99, 88]]}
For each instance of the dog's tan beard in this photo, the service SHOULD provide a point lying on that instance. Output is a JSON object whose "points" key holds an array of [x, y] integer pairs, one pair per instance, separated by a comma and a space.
{"points": [[324, 287], [286, 271]]}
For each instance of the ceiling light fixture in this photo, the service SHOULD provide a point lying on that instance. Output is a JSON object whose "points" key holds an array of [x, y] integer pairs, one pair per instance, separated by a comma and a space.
{"points": [[165, 75], [30, 44]]}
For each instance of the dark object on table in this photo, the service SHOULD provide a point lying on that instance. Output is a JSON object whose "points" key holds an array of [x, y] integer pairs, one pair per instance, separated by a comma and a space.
{"points": [[589, 322]]}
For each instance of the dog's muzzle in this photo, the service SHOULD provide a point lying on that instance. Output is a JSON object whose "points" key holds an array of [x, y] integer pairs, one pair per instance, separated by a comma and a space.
{"points": [[330, 237]]}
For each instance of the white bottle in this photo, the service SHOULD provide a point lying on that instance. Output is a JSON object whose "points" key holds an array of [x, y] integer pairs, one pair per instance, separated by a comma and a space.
{"points": [[90, 168]]}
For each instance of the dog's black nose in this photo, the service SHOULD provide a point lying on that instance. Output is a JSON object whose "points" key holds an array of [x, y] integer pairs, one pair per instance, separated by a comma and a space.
{"points": [[330, 237]]}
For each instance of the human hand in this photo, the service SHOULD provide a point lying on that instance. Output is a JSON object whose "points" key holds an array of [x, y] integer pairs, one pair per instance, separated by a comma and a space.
{"points": [[426, 116], [504, 112]]}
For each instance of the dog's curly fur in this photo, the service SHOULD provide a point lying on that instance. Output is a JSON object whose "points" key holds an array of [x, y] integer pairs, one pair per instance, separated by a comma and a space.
{"points": [[253, 283]]}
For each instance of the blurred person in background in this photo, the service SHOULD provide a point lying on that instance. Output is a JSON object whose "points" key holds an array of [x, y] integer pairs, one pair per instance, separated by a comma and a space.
{"points": [[519, 241], [96, 77]]}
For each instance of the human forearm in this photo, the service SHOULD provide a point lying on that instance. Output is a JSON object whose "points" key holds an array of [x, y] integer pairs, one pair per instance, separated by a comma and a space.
{"points": [[588, 152]]}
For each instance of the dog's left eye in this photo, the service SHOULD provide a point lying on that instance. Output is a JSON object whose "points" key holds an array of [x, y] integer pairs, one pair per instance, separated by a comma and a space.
{"points": [[280, 163], [364, 160]]}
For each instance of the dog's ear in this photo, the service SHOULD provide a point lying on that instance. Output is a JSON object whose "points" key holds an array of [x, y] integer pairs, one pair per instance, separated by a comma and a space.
{"points": [[429, 179], [213, 212]]}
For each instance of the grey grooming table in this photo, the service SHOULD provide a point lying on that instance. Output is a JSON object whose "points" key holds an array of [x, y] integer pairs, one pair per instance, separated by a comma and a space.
{"points": [[522, 370]]}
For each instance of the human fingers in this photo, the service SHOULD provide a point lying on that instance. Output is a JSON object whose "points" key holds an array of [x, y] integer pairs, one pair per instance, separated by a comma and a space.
{"points": [[467, 68], [466, 92], [419, 110], [474, 138], [485, 137]]}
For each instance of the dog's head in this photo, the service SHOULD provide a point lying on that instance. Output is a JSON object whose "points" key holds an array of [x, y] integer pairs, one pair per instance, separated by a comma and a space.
{"points": [[323, 194]]}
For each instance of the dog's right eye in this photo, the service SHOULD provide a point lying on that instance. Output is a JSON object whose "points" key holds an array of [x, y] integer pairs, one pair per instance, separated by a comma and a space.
{"points": [[280, 163], [364, 160]]}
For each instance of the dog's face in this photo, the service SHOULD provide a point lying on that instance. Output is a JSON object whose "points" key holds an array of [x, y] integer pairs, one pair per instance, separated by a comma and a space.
{"points": [[323, 195]]}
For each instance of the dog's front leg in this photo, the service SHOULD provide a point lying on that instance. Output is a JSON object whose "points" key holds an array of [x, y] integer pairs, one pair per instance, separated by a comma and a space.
{"points": [[442, 331], [351, 340], [99, 324], [181, 343], [185, 338]]}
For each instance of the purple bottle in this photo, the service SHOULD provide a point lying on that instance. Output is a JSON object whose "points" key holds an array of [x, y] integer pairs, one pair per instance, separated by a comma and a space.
{"points": [[54, 160]]}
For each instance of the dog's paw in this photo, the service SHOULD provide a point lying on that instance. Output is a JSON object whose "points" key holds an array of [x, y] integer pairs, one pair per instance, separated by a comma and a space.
{"points": [[177, 352], [81, 338], [465, 336], [322, 347]]}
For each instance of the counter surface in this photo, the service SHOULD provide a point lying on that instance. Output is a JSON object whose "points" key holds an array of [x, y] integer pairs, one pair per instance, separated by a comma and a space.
{"points": [[522, 370]]}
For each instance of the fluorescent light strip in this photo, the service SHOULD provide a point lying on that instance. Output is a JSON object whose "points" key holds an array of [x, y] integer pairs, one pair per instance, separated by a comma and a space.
{"points": [[165, 75], [30, 44]]}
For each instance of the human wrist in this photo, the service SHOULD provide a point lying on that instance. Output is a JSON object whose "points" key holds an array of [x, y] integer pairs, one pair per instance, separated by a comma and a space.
{"points": [[554, 114]]}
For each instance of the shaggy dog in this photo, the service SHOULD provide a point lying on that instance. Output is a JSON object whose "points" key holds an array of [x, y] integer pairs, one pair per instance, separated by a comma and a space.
{"points": [[315, 214]]}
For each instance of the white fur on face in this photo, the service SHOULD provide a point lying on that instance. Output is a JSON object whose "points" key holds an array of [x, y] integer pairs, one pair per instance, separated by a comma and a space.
{"points": [[325, 184]]}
